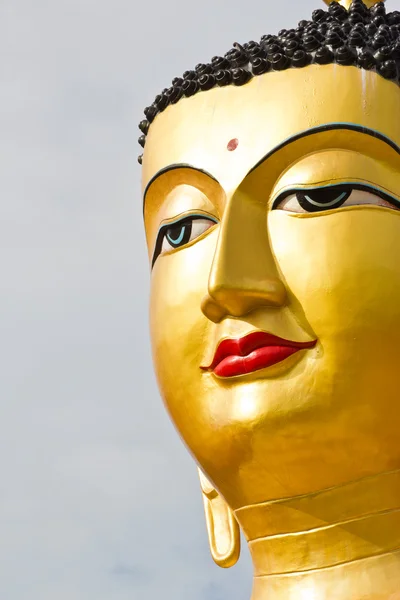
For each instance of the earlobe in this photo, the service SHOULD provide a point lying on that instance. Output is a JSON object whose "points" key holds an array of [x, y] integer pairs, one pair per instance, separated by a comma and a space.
{"points": [[222, 527]]}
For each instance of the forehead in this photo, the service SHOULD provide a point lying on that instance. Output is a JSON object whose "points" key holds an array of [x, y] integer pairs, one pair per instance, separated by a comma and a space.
{"points": [[262, 115]]}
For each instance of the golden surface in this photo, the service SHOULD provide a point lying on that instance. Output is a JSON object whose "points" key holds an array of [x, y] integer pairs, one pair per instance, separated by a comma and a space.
{"points": [[305, 454]]}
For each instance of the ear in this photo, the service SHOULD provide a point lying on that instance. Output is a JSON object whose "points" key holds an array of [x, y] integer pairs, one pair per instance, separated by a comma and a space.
{"points": [[222, 527]]}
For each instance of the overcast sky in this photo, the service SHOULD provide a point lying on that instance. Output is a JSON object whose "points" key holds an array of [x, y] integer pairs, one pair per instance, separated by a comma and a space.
{"points": [[98, 498]]}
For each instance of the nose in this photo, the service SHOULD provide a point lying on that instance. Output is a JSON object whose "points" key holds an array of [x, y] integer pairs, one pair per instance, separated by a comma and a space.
{"points": [[244, 274]]}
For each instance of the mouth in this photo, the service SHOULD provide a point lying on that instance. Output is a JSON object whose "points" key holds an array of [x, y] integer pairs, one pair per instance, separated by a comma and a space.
{"points": [[255, 351]]}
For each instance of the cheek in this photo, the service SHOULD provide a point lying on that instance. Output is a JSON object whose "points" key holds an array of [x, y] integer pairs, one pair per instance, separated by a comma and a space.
{"points": [[344, 271], [179, 330], [343, 275]]}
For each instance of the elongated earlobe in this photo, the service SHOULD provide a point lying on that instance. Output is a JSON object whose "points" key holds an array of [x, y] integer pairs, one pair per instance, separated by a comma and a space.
{"points": [[222, 527]]}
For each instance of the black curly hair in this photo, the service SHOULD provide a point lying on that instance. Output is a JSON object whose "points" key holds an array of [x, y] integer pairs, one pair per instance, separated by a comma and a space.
{"points": [[362, 37]]}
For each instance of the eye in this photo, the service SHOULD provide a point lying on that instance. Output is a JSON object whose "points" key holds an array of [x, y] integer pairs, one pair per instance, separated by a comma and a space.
{"points": [[184, 231], [328, 198], [181, 232]]}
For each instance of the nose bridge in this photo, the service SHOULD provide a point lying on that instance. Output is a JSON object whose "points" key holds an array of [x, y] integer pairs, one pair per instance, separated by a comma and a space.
{"points": [[243, 275]]}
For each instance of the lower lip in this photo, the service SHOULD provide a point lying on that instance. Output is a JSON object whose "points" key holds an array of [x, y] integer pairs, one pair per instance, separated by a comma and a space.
{"points": [[261, 358]]}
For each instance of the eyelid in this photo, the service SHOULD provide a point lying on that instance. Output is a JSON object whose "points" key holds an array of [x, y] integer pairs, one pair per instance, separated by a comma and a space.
{"points": [[354, 185], [185, 215], [179, 219]]}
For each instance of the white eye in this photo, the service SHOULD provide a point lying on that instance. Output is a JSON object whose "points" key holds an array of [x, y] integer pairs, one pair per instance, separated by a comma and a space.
{"points": [[319, 200]]}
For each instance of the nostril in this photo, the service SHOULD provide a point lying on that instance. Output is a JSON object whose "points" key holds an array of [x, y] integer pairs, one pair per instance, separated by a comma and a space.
{"points": [[212, 310], [223, 301]]}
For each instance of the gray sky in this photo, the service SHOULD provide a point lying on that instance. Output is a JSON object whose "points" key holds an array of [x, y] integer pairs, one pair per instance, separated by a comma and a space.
{"points": [[98, 498]]}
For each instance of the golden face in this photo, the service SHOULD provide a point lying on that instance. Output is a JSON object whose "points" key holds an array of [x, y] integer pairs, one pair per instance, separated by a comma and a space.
{"points": [[273, 225]]}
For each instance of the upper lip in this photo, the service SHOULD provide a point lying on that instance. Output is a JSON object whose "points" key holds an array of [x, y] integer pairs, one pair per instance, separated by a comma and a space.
{"points": [[253, 341]]}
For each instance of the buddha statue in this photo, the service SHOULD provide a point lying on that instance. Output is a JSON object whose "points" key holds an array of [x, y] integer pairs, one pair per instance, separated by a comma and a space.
{"points": [[271, 184]]}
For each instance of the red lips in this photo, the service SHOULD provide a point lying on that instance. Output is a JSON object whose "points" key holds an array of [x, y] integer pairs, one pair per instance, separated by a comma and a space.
{"points": [[255, 351]]}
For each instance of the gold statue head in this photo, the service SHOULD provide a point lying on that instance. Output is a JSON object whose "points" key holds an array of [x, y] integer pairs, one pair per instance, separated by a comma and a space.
{"points": [[271, 181]]}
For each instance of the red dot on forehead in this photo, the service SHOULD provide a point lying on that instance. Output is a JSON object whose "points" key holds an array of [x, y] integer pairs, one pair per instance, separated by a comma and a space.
{"points": [[233, 144]]}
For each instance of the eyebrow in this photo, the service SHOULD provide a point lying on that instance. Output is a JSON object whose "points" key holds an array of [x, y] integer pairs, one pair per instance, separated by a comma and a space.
{"points": [[328, 127], [174, 167], [302, 134]]}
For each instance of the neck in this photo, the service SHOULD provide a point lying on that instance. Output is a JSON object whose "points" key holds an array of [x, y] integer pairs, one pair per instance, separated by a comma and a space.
{"points": [[335, 544]]}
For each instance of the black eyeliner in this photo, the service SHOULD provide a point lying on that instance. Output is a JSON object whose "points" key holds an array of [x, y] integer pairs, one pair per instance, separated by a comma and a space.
{"points": [[339, 187], [164, 228]]}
